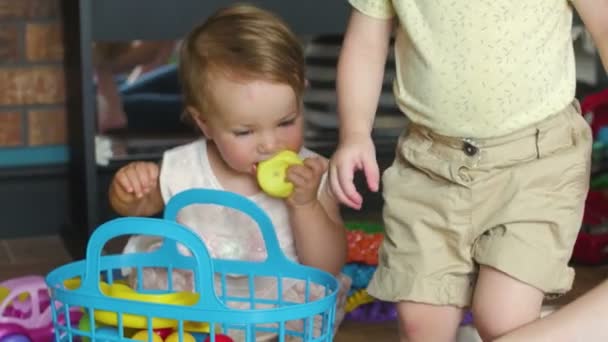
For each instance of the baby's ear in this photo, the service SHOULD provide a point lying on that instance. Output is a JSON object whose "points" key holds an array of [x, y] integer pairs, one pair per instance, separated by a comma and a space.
{"points": [[195, 116], [192, 112], [306, 83]]}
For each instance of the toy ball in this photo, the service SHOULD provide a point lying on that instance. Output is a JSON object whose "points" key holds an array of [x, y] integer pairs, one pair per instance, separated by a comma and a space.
{"points": [[84, 325], [219, 338], [175, 338], [17, 338], [164, 332], [143, 336], [271, 173]]}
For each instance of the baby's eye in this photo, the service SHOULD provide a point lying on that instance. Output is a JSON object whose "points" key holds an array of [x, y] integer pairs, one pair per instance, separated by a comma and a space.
{"points": [[287, 123], [241, 133]]}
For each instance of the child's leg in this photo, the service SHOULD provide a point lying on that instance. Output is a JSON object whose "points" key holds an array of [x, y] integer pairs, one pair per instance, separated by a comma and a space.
{"points": [[582, 320], [425, 261], [425, 322], [531, 188], [502, 303]]}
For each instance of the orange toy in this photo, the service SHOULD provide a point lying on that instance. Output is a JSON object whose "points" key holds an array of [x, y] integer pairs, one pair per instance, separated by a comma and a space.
{"points": [[363, 247]]}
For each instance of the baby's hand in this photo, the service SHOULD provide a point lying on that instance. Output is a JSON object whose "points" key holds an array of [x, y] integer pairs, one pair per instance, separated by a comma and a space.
{"points": [[135, 180], [306, 179]]}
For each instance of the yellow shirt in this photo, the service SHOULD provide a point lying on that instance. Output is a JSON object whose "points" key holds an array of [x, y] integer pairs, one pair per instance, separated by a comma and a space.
{"points": [[480, 68]]}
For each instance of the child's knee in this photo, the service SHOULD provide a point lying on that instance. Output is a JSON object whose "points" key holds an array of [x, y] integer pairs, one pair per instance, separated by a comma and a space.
{"points": [[492, 322], [419, 322], [492, 328], [411, 325]]}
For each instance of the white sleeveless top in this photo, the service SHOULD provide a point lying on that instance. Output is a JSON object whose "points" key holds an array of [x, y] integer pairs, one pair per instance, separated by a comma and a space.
{"points": [[227, 233]]}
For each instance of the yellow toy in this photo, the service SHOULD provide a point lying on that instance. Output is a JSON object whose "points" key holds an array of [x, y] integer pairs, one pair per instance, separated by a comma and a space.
{"points": [[357, 299], [175, 338], [123, 291], [143, 336], [271, 173]]}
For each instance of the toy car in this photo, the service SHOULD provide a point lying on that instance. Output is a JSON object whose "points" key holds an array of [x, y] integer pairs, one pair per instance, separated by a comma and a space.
{"points": [[25, 311]]}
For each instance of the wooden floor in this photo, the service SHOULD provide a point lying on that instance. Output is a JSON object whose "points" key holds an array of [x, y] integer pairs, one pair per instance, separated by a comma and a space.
{"points": [[40, 255]]}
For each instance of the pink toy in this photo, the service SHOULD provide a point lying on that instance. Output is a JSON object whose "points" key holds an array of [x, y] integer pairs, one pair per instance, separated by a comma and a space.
{"points": [[25, 311]]}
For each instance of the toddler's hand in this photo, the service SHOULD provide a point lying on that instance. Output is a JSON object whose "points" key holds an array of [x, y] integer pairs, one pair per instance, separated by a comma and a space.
{"points": [[135, 180], [354, 153], [306, 179]]}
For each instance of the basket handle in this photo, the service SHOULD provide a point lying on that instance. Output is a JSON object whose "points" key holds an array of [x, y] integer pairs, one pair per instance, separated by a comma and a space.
{"points": [[157, 227], [231, 200]]}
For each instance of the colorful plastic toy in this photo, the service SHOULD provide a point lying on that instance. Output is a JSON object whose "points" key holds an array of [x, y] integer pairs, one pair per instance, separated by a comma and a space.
{"points": [[467, 319], [164, 333], [25, 311], [16, 338], [376, 311], [368, 227], [360, 274], [167, 335], [85, 325], [591, 245], [219, 338], [271, 173], [122, 291], [212, 305], [363, 247], [144, 336], [175, 338], [358, 298], [595, 110]]}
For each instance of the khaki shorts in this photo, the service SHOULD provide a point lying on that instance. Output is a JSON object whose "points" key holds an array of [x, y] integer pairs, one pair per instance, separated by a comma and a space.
{"points": [[514, 203]]}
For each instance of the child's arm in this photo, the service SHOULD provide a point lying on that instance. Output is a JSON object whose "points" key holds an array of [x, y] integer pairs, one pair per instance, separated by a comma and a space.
{"points": [[361, 72], [319, 233], [359, 83], [135, 190], [582, 320], [594, 14]]}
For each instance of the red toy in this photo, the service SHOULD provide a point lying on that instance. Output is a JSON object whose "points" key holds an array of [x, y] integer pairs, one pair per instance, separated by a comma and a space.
{"points": [[595, 110], [219, 338], [591, 246], [363, 247]]}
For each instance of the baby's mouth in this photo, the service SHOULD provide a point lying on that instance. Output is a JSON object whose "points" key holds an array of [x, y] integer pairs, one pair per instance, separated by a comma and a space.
{"points": [[254, 167]]}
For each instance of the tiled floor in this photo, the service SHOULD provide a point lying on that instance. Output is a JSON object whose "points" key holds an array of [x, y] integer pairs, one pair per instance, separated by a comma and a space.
{"points": [[41, 254]]}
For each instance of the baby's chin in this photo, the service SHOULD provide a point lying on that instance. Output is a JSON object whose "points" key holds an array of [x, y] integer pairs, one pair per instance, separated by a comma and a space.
{"points": [[242, 170]]}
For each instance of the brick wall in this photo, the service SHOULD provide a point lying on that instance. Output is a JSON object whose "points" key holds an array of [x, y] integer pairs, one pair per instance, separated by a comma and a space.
{"points": [[32, 91]]}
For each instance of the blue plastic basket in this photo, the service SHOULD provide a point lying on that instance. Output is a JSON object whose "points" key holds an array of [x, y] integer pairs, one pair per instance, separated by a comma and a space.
{"points": [[315, 317]]}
